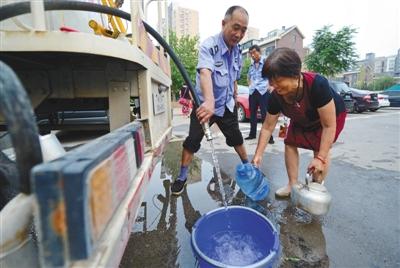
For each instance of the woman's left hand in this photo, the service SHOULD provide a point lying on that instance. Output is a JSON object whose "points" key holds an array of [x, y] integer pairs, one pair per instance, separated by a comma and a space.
{"points": [[316, 167]]}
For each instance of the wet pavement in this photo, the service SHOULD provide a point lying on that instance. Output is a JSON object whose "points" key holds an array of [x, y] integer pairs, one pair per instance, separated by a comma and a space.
{"points": [[360, 230]]}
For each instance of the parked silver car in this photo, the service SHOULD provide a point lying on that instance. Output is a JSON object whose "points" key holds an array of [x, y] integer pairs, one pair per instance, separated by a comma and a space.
{"points": [[383, 100]]}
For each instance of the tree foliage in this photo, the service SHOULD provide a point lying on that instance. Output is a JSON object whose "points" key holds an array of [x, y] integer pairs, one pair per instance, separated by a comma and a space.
{"points": [[186, 49], [332, 53], [362, 78], [381, 83], [245, 70]]}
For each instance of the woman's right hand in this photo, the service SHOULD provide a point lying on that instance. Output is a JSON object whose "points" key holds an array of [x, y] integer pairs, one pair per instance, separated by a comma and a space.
{"points": [[256, 160]]}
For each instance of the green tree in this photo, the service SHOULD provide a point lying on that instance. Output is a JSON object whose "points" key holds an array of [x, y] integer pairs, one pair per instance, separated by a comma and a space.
{"points": [[245, 70], [362, 78], [332, 53], [186, 49], [381, 83]]}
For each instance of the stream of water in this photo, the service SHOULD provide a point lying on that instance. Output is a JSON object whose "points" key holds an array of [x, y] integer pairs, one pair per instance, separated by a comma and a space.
{"points": [[218, 171]]}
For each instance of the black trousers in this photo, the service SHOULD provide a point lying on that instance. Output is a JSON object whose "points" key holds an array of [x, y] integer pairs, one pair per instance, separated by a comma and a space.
{"points": [[257, 100], [228, 124]]}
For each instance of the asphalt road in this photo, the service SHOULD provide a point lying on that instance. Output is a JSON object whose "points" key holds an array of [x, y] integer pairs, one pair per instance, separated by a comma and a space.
{"points": [[362, 228]]}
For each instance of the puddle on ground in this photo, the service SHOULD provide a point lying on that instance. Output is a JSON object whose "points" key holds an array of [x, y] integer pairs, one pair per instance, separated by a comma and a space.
{"points": [[161, 234]]}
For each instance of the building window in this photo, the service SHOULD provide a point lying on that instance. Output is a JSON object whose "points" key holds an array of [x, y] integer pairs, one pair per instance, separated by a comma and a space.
{"points": [[269, 50]]}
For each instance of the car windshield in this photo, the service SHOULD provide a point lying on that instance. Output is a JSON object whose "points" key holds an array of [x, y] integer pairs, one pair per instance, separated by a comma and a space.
{"points": [[340, 87], [243, 90]]}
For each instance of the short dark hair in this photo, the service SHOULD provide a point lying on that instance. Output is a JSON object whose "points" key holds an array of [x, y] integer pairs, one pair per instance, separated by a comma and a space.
{"points": [[256, 47], [229, 12], [282, 62]]}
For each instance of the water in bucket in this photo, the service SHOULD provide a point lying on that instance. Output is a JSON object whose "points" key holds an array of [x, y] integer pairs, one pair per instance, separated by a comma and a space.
{"points": [[235, 248], [251, 240]]}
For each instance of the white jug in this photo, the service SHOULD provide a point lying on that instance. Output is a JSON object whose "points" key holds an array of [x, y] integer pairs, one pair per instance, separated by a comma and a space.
{"points": [[51, 147]]}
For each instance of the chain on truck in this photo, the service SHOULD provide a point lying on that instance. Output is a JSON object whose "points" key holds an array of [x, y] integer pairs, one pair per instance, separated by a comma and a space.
{"points": [[76, 208]]}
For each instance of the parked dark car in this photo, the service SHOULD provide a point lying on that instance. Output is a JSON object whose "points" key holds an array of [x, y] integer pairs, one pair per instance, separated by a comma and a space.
{"points": [[344, 91], [394, 97], [365, 100]]}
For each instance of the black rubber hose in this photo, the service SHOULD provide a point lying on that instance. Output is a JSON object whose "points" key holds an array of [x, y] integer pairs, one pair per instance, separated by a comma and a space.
{"points": [[18, 113], [16, 9]]}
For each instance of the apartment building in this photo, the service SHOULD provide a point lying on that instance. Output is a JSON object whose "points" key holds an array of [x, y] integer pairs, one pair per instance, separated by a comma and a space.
{"points": [[390, 64], [397, 64], [183, 21], [372, 67], [283, 37], [252, 33]]}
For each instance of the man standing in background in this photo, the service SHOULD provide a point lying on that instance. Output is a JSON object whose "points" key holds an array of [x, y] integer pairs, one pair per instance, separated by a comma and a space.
{"points": [[258, 91]]}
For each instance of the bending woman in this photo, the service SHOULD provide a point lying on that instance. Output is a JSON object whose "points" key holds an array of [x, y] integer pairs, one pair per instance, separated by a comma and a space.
{"points": [[317, 115]]}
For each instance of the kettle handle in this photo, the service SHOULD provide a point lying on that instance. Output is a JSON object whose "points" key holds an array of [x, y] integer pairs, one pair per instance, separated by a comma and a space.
{"points": [[309, 178]]}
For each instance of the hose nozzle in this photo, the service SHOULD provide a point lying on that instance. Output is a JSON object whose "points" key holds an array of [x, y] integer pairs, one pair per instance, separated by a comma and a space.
{"points": [[207, 131]]}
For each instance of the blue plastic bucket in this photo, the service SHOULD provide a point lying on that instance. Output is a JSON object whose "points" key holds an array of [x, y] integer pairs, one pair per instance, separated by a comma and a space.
{"points": [[233, 236]]}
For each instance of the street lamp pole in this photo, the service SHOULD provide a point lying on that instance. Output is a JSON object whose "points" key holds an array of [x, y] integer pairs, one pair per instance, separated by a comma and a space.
{"points": [[166, 21], [160, 17], [146, 7]]}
